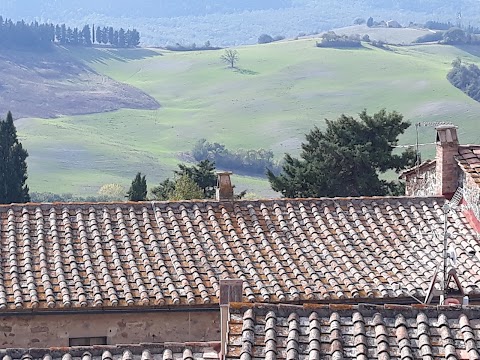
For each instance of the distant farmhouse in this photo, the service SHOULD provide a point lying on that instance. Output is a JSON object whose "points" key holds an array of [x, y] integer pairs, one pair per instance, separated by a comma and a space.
{"points": [[327, 278], [393, 24]]}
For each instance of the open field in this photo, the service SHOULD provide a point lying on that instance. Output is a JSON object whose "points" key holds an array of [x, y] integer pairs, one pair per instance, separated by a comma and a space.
{"points": [[280, 91]]}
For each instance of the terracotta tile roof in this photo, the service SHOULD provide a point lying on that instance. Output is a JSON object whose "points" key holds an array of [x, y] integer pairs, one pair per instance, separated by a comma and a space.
{"points": [[359, 332], [142, 254], [469, 160], [166, 351]]}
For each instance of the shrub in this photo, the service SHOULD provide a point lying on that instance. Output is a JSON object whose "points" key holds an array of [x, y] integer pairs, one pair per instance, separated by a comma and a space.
{"points": [[330, 39], [359, 21], [430, 37], [265, 39]]}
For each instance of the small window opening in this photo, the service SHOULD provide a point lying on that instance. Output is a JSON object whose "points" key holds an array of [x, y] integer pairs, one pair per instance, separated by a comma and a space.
{"points": [[87, 341]]}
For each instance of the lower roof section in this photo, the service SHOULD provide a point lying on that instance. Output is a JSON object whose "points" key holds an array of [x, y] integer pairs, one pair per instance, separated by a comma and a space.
{"points": [[360, 332], [147, 351], [172, 254]]}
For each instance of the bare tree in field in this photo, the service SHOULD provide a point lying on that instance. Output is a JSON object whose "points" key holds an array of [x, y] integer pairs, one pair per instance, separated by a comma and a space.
{"points": [[230, 57]]}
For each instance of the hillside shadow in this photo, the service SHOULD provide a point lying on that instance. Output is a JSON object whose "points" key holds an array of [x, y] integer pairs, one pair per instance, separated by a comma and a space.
{"points": [[245, 71], [102, 55], [470, 49]]}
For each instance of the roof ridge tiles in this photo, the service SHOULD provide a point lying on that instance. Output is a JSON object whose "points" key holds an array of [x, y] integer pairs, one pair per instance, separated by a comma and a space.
{"points": [[175, 204]]}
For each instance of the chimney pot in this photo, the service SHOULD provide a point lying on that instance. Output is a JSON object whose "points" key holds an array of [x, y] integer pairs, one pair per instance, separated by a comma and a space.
{"points": [[231, 290], [224, 189]]}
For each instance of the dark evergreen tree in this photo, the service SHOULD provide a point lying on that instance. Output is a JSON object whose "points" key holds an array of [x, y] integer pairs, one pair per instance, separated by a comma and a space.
{"points": [[128, 38], [58, 33], [346, 159], [135, 38], [138, 189], [203, 174], [164, 191], [115, 38], [13, 167], [93, 34], [121, 38], [63, 30], [75, 38], [110, 35], [105, 36], [86, 36], [370, 22], [99, 35]]}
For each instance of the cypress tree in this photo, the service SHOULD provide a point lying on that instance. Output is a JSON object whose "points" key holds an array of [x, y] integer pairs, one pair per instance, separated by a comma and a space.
{"points": [[13, 167], [138, 189]]}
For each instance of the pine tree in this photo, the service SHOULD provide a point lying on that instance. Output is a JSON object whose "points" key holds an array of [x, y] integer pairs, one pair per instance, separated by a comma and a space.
{"points": [[346, 159], [13, 168], [138, 189], [203, 174]]}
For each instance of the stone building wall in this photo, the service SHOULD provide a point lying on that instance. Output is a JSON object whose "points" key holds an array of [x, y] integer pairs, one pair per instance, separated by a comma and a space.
{"points": [[471, 194], [425, 184], [52, 330]]}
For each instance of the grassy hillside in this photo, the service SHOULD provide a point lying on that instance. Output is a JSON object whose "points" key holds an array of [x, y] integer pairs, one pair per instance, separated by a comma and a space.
{"points": [[279, 92]]}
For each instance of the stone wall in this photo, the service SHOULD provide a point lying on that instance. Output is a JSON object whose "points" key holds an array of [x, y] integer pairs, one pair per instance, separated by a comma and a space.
{"points": [[471, 194], [425, 184], [55, 330]]}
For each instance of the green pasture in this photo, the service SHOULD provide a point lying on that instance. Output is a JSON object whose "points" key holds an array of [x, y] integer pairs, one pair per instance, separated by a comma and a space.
{"points": [[277, 93]]}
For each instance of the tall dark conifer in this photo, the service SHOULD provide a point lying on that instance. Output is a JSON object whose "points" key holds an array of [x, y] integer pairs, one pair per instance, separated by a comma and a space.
{"points": [[13, 167], [99, 35], [138, 189]]}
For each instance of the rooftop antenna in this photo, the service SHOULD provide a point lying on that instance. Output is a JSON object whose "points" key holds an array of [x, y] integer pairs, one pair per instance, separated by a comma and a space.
{"points": [[418, 158], [449, 254]]}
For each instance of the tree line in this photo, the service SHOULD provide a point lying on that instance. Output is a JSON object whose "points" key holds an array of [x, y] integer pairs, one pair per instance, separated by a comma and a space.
{"points": [[41, 36], [332, 40], [465, 77], [251, 161], [116, 38]]}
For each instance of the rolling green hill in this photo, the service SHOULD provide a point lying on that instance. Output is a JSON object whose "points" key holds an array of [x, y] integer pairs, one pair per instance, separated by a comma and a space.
{"points": [[280, 91]]}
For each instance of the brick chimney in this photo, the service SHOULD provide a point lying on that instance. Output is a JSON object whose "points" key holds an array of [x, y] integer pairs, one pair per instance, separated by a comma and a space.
{"points": [[446, 165], [224, 186]]}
